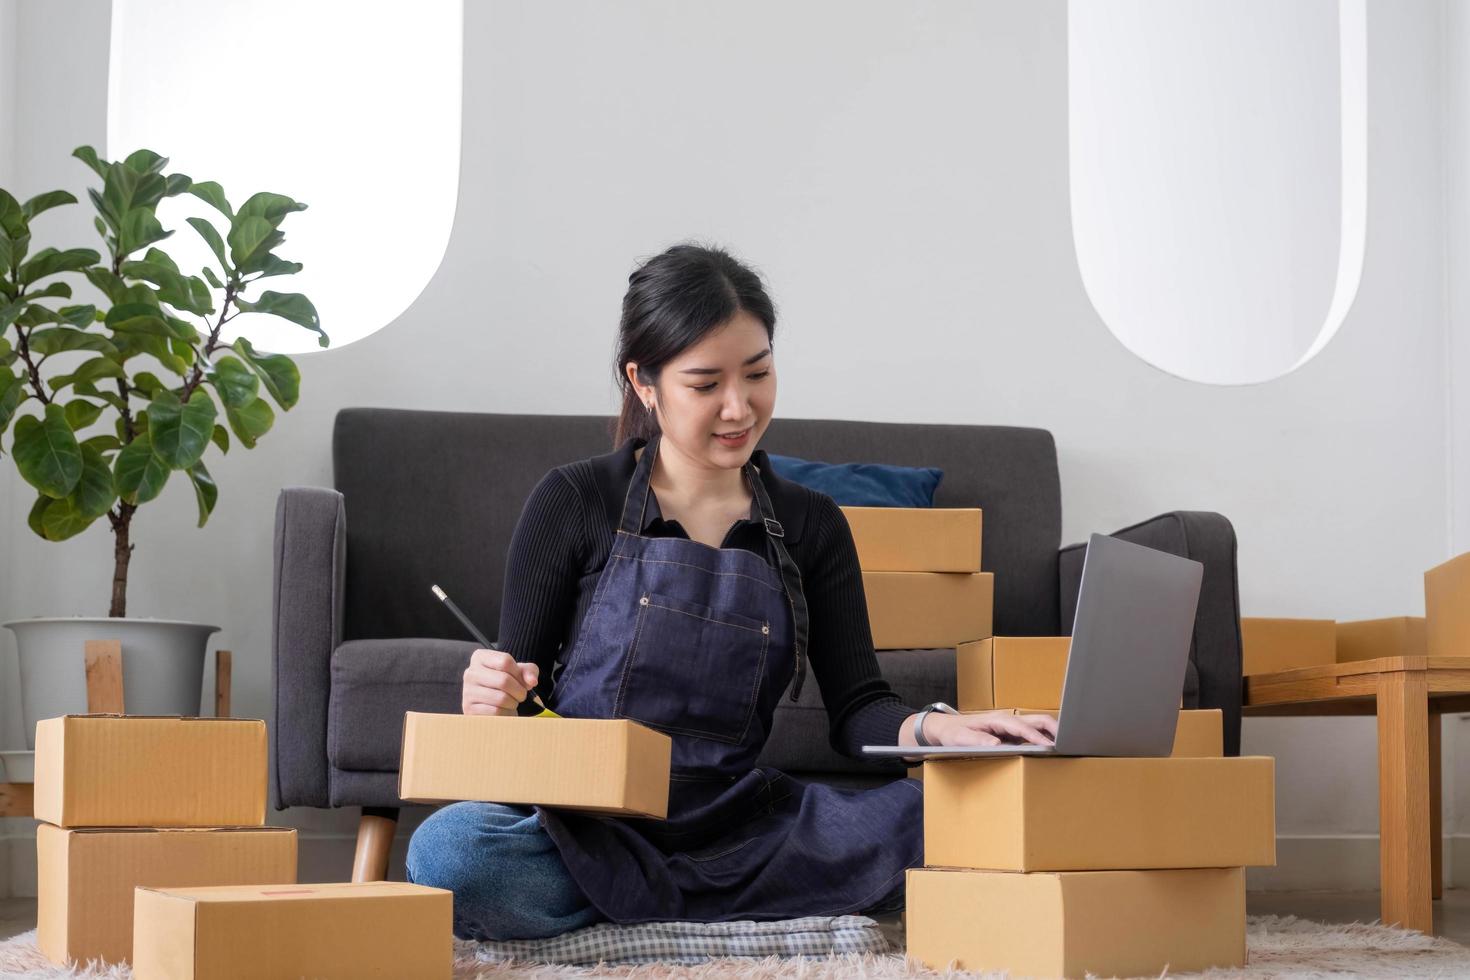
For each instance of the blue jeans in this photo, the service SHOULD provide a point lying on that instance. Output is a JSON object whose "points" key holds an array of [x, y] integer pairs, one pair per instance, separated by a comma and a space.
{"points": [[508, 878]]}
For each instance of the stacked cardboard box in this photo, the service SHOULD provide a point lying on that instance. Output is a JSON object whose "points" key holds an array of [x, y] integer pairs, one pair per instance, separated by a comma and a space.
{"points": [[921, 575], [1370, 639], [1057, 867], [130, 801], [1447, 608], [1269, 645]]}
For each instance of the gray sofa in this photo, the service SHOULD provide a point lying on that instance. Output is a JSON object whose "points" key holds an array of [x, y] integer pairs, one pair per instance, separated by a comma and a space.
{"points": [[424, 497]]}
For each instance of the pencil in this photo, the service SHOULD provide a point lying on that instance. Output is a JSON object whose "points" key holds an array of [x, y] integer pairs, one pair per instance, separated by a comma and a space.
{"points": [[475, 632]]}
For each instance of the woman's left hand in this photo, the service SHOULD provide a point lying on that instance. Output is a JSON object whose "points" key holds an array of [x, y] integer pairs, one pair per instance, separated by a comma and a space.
{"points": [[984, 728]]}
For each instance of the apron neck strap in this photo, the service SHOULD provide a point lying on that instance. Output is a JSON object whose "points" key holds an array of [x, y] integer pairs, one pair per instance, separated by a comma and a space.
{"points": [[635, 511]]}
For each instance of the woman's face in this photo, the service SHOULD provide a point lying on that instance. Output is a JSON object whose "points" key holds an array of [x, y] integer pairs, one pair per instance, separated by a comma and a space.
{"points": [[726, 383]]}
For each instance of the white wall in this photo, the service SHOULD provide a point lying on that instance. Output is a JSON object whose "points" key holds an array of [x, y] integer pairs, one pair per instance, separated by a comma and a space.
{"points": [[899, 173]]}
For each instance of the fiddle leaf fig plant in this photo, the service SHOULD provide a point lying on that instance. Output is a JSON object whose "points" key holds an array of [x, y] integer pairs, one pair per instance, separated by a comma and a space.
{"points": [[148, 384]]}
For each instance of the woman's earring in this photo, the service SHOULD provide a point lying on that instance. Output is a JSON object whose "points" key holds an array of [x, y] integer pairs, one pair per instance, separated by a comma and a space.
{"points": [[649, 406]]}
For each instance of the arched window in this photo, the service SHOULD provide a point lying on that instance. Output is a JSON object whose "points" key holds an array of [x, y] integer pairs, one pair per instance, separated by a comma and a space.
{"points": [[1218, 162], [353, 109]]}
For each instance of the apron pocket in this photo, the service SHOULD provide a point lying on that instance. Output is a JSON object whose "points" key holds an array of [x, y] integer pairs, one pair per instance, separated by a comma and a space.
{"points": [[693, 670]]}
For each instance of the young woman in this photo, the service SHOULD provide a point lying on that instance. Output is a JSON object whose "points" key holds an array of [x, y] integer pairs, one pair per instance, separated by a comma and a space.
{"points": [[678, 582]]}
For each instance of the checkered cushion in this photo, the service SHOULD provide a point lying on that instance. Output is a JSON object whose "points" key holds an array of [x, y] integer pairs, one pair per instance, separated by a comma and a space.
{"points": [[689, 942]]}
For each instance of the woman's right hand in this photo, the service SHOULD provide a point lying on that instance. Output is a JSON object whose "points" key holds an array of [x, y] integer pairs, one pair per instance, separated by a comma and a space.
{"points": [[495, 682]]}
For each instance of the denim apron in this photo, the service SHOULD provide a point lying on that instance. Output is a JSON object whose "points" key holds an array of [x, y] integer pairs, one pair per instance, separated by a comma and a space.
{"points": [[699, 642]]}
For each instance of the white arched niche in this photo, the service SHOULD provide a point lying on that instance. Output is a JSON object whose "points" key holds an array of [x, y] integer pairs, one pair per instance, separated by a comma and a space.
{"points": [[1217, 169], [353, 109]]}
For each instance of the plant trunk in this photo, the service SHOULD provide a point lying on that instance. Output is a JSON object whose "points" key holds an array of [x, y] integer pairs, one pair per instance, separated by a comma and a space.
{"points": [[122, 553]]}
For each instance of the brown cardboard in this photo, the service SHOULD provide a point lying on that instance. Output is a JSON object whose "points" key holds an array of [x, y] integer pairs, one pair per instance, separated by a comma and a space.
{"points": [[142, 771], [264, 932], [1199, 735], [927, 610], [1447, 608], [1369, 639], [1011, 672], [85, 878], [1269, 645], [1075, 923], [916, 539], [602, 765], [1099, 814]]}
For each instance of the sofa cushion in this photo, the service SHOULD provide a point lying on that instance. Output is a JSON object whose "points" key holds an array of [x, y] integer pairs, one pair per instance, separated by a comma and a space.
{"points": [[375, 681]]}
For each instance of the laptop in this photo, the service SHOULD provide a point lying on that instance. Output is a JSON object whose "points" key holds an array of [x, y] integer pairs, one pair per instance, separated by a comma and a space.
{"points": [[1126, 663]]}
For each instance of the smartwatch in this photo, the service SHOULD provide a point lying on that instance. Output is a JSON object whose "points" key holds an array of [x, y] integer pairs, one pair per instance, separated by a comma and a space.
{"points": [[939, 706]]}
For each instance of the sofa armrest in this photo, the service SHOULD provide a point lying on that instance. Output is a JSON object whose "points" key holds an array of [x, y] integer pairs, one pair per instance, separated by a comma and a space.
{"points": [[307, 609], [1215, 651]]}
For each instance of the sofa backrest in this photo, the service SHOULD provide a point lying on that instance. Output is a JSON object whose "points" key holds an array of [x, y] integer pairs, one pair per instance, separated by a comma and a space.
{"points": [[433, 497]]}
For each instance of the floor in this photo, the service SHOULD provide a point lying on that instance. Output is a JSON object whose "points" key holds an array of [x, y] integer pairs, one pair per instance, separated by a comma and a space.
{"points": [[1451, 914]]}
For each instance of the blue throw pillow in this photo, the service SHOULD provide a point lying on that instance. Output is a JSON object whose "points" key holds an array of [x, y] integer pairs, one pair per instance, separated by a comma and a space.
{"points": [[863, 484]]}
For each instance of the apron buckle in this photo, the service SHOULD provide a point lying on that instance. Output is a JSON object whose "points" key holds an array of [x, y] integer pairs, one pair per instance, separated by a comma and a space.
{"points": [[774, 528]]}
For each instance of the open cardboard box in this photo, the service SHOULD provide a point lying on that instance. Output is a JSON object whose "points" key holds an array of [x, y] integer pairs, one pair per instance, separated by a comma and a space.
{"points": [[1200, 734], [916, 539], [1022, 813], [1370, 639], [602, 765], [85, 878], [1447, 608], [1269, 645], [369, 929], [927, 610], [1077, 923], [147, 771]]}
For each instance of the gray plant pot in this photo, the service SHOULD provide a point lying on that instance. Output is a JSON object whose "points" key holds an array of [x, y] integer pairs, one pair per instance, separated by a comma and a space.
{"points": [[163, 665]]}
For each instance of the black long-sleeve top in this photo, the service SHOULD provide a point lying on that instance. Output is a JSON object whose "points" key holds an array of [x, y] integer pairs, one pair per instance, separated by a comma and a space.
{"points": [[565, 535]]}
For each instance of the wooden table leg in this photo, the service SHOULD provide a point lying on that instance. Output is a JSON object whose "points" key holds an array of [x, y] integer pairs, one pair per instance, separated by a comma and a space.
{"points": [[1403, 800], [1436, 828]]}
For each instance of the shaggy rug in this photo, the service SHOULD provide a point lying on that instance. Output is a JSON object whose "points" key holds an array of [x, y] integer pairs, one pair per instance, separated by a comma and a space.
{"points": [[1281, 948]]}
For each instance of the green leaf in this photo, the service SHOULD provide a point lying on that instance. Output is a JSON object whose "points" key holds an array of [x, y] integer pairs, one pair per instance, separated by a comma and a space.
{"points": [[205, 490], [145, 162], [81, 413], [38, 511], [139, 474], [140, 227], [89, 156], [212, 278], [12, 216], [251, 238], [94, 496], [102, 443], [111, 285], [221, 438], [273, 266], [211, 237], [290, 306], [148, 383], [12, 393], [237, 384], [271, 207], [64, 520], [9, 313], [48, 262], [54, 340], [78, 316], [176, 184], [125, 188], [213, 194], [89, 370], [180, 431], [46, 452], [57, 288], [45, 202], [132, 344], [184, 292], [277, 371], [251, 422]]}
